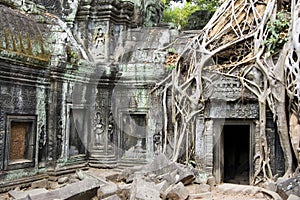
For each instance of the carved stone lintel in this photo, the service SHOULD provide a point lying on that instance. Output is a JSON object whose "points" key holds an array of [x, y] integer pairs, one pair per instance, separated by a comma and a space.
{"points": [[222, 109]]}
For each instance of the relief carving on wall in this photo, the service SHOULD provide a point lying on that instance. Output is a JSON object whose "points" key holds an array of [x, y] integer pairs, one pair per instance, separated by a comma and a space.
{"points": [[157, 142], [98, 41], [224, 109], [99, 129]]}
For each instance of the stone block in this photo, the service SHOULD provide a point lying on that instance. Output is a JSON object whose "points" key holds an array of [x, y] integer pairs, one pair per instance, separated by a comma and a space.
{"points": [[171, 178], [289, 186], [85, 189], [162, 186], [107, 190], [196, 188], [40, 184], [186, 175], [200, 177], [23, 194], [116, 177], [124, 190], [62, 180], [177, 192], [159, 162], [293, 197], [143, 190], [270, 186], [211, 181]]}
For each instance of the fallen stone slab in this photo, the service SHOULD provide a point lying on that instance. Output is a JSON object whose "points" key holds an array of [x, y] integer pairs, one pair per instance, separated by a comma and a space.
{"points": [[169, 171], [63, 180], [186, 175], [23, 194], [176, 192], [40, 184], [289, 186], [107, 190], [159, 162], [198, 188], [200, 177], [143, 190], [85, 189]]}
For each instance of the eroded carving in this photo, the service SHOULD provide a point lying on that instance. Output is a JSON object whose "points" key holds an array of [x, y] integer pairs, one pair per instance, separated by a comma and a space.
{"points": [[99, 130]]}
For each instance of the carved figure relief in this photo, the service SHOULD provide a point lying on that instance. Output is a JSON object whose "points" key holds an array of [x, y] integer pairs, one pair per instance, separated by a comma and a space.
{"points": [[153, 13], [98, 41], [157, 143], [99, 130]]}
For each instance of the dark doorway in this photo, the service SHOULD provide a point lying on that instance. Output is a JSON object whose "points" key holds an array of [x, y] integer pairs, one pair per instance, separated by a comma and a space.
{"points": [[236, 153]]}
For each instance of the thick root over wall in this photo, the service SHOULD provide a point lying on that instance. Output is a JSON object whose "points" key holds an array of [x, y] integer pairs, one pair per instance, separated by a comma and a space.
{"points": [[236, 44]]}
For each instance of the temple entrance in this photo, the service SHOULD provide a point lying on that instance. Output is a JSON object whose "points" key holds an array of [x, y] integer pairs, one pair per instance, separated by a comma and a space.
{"points": [[233, 151], [236, 153]]}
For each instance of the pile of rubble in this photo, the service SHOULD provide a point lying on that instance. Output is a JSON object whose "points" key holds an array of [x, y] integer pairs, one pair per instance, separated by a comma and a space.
{"points": [[73, 186], [161, 179]]}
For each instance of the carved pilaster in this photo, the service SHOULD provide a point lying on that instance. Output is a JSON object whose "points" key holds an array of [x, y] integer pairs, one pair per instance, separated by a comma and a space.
{"points": [[102, 153]]}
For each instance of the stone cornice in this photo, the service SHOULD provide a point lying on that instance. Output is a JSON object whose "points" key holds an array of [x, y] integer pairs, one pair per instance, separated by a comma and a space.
{"points": [[120, 12]]}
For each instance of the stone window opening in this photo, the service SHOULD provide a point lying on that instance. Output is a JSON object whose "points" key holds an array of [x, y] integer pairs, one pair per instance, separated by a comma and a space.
{"points": [[20, 142]]}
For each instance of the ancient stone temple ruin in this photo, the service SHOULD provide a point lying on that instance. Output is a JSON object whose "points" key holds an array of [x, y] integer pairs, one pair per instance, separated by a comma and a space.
{"points": [[76, 80]]}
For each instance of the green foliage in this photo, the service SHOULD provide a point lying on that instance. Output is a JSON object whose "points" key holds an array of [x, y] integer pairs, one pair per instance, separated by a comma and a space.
{"points": [[277, 32], [171, 50], [179, 15], [170, 67], [209, 5]]}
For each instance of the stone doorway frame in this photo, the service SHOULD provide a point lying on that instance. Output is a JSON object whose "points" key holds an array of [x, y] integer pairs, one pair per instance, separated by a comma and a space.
{"points": [[66, 145], [120, 135], [218, 150]]}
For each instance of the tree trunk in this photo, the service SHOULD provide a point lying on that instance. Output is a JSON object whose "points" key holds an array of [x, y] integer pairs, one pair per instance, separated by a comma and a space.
{"points": [[284, 137]]}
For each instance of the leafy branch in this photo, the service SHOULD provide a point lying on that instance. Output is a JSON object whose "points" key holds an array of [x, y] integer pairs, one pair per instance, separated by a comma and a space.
{"points": [[277, 32]]}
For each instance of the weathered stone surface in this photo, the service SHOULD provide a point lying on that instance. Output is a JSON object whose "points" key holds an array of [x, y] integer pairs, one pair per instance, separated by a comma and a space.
{"points": [[85, 189], [289, 186], [124, 190], [186, 176], [63, 180], [211, 181], [107, 190], [23, 194], [196, 188], [200, 177], [270, 185], [144, 190], [159, 162], [293, 197], [177, 192], [205, 195], [116, 177], [40, 184]]}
